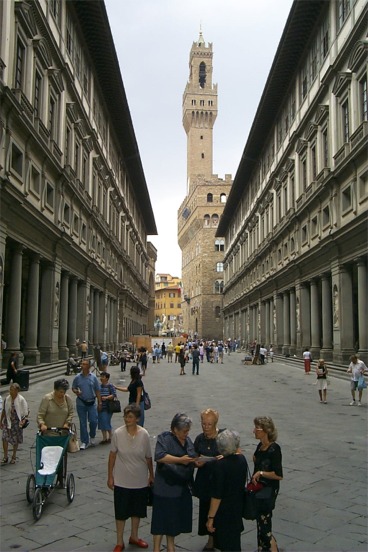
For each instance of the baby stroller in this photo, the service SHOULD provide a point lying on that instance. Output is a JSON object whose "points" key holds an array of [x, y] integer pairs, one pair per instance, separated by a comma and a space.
{"points": [[51, 469]]}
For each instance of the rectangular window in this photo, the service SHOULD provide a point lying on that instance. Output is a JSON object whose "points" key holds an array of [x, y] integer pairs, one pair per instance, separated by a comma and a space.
{"points": [[17, 160], [76, 157], [303, 174], [66, 216], [363, 185], [345, 121], [55, 10], [314, 162], [343, 12], [84, 233], [304, 234], [363, 98], [35, 183], [68, 143], [20, 64], [53, 118], [37, 94], [314, 226], [50, 195], [325, 147], [304, 83], [326, 216], [346, 199], [69, 35], [325, 40]]}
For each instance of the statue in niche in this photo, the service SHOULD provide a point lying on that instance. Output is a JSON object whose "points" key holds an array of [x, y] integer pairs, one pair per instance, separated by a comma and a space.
{"points": [[297, 313], [57, 303], [335, 306]]}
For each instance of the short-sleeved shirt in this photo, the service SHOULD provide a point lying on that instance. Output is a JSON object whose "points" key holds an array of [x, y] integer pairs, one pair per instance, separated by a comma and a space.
{"points": [[88, 385], [357, 369], [131, 469], [133, 391]]}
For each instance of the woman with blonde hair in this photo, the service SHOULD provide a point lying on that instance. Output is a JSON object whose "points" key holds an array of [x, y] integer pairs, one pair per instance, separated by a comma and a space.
{"points": [[267, 471]]}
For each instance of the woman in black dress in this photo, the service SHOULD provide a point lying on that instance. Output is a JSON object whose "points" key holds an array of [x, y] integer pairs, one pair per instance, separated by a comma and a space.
{"points": [[224, 518], [135, 389], [172, 499], [205, 445], [268, 471]]}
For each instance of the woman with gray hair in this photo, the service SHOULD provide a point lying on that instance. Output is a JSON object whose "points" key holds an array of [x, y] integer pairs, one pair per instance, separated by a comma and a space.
{"points": [[229, 477], [172, 499]]}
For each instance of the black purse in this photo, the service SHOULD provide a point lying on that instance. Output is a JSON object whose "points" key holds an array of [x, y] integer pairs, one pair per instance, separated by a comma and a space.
{"points": [[114, 406]]}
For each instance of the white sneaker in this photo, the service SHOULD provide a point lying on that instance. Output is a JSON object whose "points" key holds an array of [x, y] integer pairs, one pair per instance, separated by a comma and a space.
{"points": [[359, 403], [83, 446], [352, 403], [92, 442]]}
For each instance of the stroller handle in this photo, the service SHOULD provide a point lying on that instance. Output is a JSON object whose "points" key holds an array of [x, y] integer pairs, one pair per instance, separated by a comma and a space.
{"points": [[57, 430]]}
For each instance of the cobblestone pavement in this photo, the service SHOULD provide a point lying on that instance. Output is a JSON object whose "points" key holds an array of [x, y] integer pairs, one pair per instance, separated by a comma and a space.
{"points": [[322, 504]]}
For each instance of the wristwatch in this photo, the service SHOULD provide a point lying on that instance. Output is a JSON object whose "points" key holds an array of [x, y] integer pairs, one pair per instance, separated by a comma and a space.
{"points": [[261, 473]]}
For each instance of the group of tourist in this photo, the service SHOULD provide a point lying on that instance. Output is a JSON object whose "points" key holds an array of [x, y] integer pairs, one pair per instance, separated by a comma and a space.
{"points": [[219, 483], [221, 467]]}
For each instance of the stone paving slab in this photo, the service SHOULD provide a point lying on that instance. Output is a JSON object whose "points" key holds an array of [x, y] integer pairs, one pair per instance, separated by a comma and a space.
{"points": [[322, 504]]}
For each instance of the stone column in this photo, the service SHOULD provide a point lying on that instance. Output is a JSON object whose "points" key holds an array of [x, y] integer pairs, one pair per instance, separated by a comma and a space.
{"points": [[103, 320], [326, 351], [31, 351], [2, 267], [362, 310], [279, 335], [286, 323], [15, 303], [346, 314], [263, 322], [305, 316], [96, 318], [49, 315], [63, 323], [292, 322], [81, 311], [315, 319], [267, 323], [72, 315], [272, 322]]}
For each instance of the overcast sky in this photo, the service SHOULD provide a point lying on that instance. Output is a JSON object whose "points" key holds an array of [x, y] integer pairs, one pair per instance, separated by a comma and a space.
{"points": [[153, 39]]}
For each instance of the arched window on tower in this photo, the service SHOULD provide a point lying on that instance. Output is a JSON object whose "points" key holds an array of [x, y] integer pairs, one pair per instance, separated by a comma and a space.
{"points": [[219, 267], [207, 221], [222, 198], [202, 74], [209, 198], [214, 220], [219, 286]]}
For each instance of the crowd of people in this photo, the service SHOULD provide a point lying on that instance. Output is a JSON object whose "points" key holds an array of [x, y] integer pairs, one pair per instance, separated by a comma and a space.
{"points": [[211, 468]]}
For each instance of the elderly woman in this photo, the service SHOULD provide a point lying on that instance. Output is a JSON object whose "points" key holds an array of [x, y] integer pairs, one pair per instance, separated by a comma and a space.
{"points": [[224, 518], [205, 446], [268, 471], [172, 499], [56, 408], [13, 417], [130, 472], [135, 389]]}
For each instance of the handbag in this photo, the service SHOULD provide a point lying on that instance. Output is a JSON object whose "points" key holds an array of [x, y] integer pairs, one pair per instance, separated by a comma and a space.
{"points": [[250, 505], [362, 383], [146, 400], [73, 445], [114, 406]]}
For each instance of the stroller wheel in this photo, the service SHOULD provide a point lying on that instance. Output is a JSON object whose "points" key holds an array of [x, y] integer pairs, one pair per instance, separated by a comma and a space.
{"points": [[70, 488], [37, 504], [30, 488]]}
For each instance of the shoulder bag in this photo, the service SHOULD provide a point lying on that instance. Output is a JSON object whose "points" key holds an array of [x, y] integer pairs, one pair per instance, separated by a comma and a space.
{"points": [[114, 406], [73, 445], [146, 400]]}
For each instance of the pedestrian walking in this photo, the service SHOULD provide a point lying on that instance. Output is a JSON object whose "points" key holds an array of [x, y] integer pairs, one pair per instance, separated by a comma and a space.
{"points": [[307, 357], [87, 388], [357, 369], [13, 418], [321, 371], [195, 360]]}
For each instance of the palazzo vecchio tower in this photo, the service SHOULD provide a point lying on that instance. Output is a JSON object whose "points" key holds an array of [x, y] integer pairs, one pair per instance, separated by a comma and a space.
{"points": [[198, 215]]}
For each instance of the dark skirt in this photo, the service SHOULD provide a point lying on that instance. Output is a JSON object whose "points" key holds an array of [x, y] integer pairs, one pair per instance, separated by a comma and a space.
{"points": [[204, 507], [130, 502], [172, 516]]}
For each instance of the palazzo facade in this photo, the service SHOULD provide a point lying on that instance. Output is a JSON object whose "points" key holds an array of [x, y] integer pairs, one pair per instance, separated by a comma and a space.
{"points": [[75, 209], [295, 223], [199, 213]]}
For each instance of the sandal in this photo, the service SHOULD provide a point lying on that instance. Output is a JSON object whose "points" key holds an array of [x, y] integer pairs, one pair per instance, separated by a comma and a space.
{"points": [[13, 460], [5, 460]]}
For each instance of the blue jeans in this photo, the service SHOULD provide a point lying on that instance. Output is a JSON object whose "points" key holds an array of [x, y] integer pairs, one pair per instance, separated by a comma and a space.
{"points": [[87, 412], [195, 365], [141, 419]]}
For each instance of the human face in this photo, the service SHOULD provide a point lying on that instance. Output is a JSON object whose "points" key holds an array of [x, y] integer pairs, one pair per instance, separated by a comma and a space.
{"points": [[85, 366], [13, 392], [130, 420], [208, 423], [104, 380], [258, 432], [181, 434], [59, 394]]}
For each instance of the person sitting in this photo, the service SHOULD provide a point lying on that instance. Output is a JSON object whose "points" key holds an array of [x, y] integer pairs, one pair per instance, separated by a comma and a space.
{"points": [[72, 365]]}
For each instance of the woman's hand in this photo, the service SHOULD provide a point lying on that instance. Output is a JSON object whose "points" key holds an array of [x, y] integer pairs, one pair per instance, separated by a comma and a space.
{"points": [[210, 527], [186, 460], [110, 482], [43, 428], [256, 477]]}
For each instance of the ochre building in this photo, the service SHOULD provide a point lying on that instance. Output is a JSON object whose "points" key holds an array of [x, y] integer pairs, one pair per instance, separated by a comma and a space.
{"points": [[295, 223], [199, 214]]}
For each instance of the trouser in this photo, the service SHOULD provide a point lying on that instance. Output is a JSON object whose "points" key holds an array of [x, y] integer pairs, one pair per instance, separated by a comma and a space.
{"points": [[87, 414]]}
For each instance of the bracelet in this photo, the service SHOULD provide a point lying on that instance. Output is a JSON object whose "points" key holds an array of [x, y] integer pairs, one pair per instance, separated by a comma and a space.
{"points": [[211, 517]]}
